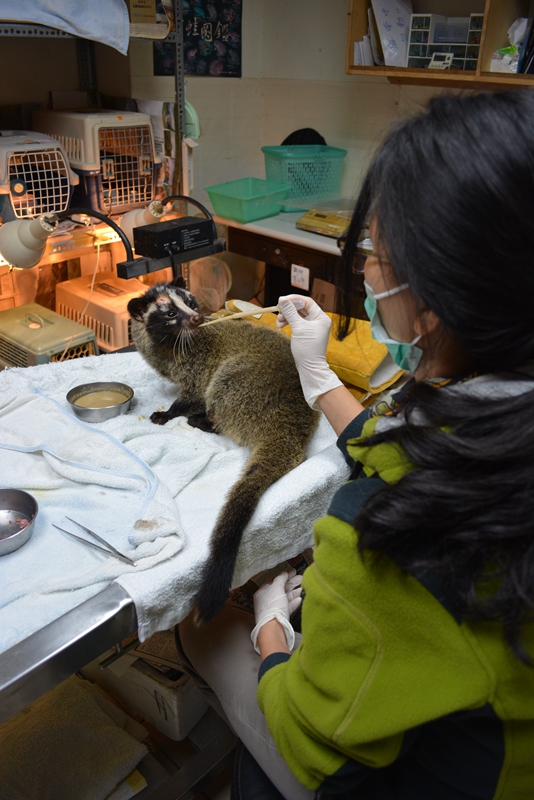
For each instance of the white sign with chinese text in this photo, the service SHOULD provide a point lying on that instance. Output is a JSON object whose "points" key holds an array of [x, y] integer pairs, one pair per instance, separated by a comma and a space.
{"points": [[393, 24]]}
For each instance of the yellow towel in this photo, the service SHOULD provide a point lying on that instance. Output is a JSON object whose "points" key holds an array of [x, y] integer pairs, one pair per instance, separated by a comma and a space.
{"points": [[70, 744]]}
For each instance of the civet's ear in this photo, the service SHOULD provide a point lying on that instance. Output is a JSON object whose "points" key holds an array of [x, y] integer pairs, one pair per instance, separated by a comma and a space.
{"points": [[135, 307], [179, 282]]}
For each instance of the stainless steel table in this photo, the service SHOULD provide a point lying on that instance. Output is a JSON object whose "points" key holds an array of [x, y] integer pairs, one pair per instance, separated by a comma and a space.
{"points": [[47, 657]]}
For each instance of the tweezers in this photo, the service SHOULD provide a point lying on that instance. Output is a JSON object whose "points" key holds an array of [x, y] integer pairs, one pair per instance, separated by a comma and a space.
{"points": [[109, 549]]}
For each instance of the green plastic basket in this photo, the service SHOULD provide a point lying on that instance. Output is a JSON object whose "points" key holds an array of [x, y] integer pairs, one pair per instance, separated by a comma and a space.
{"points": [[310, 169], [248, 199]]}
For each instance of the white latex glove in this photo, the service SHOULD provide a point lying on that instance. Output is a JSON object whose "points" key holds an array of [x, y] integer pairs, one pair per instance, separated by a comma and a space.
{"points": [[310, 329], [277, 599]]}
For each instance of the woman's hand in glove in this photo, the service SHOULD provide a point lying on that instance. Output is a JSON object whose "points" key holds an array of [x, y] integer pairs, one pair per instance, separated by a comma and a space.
{"points": [[310, 329], [277, 599]]}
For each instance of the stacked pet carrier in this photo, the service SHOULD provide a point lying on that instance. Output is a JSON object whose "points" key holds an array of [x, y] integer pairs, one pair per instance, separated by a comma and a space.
{"points": [[105, 310], [31, 334], [35, 177], [111, 151]]}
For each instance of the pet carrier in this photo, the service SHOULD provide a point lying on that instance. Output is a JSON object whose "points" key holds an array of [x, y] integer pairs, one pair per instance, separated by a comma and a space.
{"points": [[31, 334], [35, 177], [106, 314], [112, 152]]}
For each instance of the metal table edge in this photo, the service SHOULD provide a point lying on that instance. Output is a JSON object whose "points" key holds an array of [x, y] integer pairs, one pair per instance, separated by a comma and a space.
{"points": [[53, 653]]}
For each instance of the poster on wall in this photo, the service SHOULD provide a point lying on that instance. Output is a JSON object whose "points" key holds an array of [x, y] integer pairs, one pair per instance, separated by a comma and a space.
{"points": [[212, 40]]}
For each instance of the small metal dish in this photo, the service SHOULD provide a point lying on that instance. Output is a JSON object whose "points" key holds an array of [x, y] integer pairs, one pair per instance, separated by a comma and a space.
{"points": [[101, 400], [18, 511]]}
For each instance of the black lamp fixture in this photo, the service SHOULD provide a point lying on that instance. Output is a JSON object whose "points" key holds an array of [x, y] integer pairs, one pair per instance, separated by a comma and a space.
{"points": [[171, 242]]}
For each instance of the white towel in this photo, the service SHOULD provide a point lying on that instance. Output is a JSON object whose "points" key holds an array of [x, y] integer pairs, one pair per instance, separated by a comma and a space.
{"points": [[174, 477], [84, 19]]}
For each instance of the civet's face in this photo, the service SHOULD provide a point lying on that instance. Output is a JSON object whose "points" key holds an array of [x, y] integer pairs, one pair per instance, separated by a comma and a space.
{"points": [[166, 311]]}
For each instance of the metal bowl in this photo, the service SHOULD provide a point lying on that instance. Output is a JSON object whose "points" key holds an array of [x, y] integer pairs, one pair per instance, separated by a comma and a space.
{"points": [[18, 511], [105, 403]]}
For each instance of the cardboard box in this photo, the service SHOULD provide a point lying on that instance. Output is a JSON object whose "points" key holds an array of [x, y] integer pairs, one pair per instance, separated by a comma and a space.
{"points": [[173, 707], [8, 297], [324, 294], [142, 11]]}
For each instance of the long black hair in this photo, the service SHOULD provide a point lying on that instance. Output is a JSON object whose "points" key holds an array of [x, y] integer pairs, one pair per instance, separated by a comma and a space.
{"points": [[452, 194]]}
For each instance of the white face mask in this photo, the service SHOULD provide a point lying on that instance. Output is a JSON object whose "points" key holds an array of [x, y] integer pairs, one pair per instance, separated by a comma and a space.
{"points": [[405, 354]]}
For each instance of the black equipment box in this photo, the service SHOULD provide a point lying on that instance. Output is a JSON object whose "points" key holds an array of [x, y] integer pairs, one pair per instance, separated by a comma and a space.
{"points": [[174, 236]]}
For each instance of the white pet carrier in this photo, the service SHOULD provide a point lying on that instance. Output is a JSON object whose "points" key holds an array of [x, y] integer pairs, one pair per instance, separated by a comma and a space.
{"points": [[112, 152], [35, 177], [106, 313], [31, 334]]}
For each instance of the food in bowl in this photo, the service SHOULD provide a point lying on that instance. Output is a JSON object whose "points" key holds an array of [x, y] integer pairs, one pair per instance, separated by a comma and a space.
{"points": [[101, 400], [18, 510]]}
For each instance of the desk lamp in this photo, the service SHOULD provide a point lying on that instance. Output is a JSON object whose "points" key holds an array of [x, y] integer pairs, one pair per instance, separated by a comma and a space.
{"points": [[141, 216], [23, 241]]}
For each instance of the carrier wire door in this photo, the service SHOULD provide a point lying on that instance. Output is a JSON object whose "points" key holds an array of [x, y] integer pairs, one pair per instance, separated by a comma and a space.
{"points": [[35, 177], [113, 153], [126, 160]]}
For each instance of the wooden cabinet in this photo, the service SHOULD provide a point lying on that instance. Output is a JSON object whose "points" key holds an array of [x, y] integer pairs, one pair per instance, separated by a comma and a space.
{"points": [[278, 256], [498, 16]]}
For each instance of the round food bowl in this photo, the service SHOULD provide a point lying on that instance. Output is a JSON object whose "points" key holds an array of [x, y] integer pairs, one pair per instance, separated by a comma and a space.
{"points": [[96, 402], [18, 510]]}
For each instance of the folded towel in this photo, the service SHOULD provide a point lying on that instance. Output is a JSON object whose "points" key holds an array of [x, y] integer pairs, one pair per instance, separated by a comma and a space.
{"points": [[154, 492], [88, 475], [71, 743], [79, 19]]}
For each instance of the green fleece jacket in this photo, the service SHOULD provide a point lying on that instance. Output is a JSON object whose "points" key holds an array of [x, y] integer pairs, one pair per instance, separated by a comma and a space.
{"points": [[390, 695]]}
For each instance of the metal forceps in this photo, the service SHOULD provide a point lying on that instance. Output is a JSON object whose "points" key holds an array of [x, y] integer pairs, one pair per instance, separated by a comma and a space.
{"points": [[108, 549]]}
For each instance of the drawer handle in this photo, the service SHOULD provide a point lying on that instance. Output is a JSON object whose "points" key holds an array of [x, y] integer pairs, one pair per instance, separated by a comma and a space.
{"points": [[282, 256]]}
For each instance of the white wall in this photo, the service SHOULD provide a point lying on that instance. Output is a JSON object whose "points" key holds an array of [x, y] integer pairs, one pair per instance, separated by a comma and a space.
{"points": [[293, 77]]}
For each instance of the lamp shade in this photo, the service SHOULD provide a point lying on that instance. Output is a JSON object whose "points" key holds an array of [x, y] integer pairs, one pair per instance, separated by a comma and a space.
{"points": [[23, 241], [141, 216]]}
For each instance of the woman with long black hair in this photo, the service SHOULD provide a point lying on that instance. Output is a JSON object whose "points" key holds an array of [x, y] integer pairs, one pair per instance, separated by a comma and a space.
{"points": [[414, 675]]}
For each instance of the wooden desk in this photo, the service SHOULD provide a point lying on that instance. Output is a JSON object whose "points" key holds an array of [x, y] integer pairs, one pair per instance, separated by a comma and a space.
{"points": [[279, 243]]}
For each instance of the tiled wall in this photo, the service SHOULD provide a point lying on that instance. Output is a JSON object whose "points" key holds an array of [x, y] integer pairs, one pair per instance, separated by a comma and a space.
{"points": [[293, 77], [238, 117]]}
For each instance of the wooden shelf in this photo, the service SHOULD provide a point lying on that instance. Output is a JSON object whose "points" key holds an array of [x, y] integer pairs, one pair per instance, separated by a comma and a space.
{"points": [[498, 16]]}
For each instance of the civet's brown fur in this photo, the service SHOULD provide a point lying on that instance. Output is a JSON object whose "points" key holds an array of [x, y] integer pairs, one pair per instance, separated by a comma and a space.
{"points": [[237, 379]]}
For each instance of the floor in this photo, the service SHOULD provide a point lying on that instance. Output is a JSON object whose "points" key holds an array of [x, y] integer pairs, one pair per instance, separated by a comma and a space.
{"points": [[166, 757], [173, 755], [218, 789]]}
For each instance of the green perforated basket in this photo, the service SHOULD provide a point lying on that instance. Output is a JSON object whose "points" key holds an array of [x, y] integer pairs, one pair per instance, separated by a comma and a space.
{"points": [[310, 169], [248, 199]]}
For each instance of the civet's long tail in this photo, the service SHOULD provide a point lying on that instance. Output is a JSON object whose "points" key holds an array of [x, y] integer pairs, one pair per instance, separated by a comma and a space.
{"points": [[267, 463]]}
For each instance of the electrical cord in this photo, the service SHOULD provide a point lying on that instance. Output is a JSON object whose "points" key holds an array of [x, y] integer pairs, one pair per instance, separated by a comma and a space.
{"points": [[173, 264]]}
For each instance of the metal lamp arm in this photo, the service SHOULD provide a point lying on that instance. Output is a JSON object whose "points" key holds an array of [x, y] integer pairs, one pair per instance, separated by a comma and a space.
{"points": [[90, 213], [173, 197]]}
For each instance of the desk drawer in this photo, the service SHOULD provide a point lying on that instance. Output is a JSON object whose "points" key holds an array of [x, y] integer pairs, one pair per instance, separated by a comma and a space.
{"points": [[279, 253]]}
